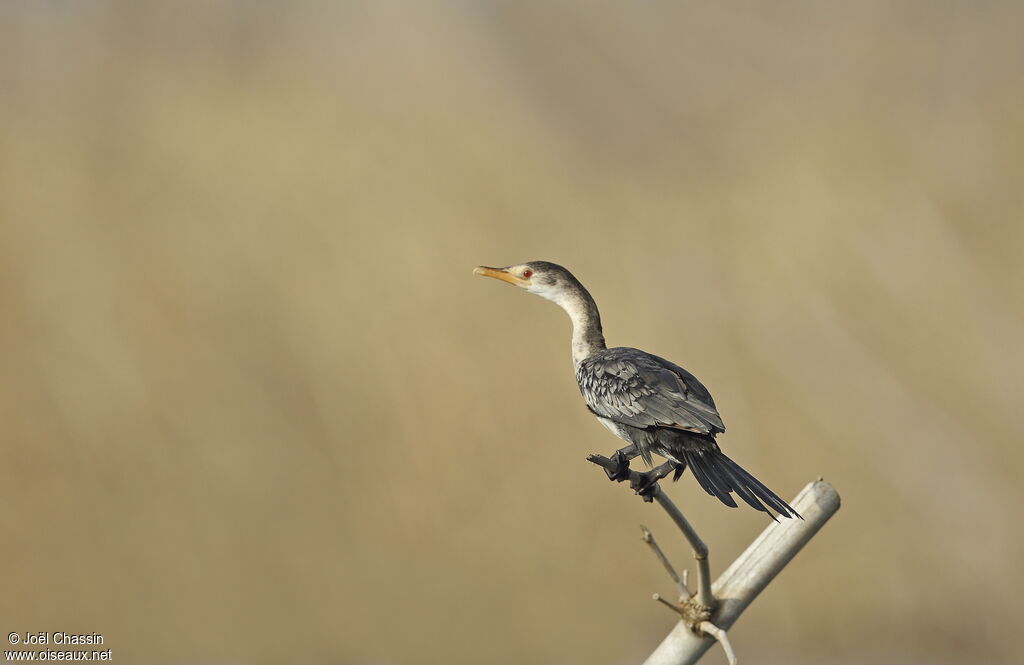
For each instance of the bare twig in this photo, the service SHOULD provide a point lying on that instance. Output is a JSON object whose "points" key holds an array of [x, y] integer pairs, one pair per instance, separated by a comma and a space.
{"points": [[685, 610], [722, 637], [684, 592], [700, 550], [674, 608]]}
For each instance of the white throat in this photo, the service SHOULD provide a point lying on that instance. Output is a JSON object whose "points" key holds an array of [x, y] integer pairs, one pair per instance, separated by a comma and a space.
{"points": [[587, 337]]}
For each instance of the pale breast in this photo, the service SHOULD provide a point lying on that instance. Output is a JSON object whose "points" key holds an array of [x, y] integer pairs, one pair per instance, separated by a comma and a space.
{"points": [[615, 428]]}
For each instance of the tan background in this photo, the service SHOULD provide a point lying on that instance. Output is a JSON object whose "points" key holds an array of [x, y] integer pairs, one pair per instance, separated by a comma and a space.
{"points": [[256, 409]]}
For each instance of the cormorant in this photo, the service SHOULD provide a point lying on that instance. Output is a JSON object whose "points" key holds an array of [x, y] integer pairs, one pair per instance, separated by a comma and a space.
{"points": [[652, 404]]}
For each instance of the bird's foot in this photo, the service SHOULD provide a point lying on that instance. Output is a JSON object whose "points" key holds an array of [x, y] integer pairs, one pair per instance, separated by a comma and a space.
{"points": [[646, 484], [621, 471]]}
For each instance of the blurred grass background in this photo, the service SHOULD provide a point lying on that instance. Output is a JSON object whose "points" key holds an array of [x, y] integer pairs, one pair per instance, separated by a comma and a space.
{"points": [[257, 410]]}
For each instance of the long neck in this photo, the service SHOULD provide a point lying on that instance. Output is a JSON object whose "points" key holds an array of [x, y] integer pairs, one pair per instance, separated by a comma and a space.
{"points": [[587, 336]]}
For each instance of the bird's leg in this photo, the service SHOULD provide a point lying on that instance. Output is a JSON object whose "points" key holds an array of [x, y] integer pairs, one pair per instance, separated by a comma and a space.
{"points": [[644, 483], [621, 459]]}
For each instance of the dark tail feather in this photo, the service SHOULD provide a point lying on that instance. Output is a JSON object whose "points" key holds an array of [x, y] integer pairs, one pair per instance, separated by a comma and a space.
{"points": [[743, 492], [708, 479], [720, 476], [765, 494]]}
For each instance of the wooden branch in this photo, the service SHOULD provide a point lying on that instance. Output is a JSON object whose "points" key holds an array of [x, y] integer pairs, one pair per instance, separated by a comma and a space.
{"points": [[721, 636], [684, 591], [751, 573], [700, 551]]}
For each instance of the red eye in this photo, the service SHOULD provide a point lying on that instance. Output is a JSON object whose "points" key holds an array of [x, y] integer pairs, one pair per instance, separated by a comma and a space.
{"points": [[527, 274]]}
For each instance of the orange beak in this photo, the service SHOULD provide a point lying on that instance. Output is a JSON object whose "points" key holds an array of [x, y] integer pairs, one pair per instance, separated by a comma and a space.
{"points": [[498, 273]]}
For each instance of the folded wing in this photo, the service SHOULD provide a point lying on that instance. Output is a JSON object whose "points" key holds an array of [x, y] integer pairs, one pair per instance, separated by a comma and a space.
{"points": [[635, 388]]}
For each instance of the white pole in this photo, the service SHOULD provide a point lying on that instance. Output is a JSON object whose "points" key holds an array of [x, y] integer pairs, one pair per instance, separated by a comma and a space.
{"points": [[751, 572]]}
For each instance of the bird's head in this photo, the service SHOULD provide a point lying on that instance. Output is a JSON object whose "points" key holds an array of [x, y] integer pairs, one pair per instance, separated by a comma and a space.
{"points": [[542, 278]]}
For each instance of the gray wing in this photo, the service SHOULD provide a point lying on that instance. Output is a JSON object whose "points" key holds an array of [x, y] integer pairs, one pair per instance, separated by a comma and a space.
{"points": [[638, 389]]}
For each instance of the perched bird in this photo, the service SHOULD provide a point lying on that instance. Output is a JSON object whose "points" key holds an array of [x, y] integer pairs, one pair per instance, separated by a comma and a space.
{"points": [[655, 406]]}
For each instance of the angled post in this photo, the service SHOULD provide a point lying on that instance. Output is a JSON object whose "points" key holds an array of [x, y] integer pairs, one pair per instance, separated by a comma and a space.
{"points": [[707, 614], [747, 577]]}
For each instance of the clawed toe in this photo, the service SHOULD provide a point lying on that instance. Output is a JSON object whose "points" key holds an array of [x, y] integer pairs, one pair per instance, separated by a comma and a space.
{"points": [[621, 471], [645, 484]]}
